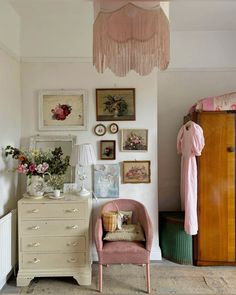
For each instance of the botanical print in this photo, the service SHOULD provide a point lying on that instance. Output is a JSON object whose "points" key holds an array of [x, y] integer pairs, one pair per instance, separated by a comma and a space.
{"points": [[115, 104], [106, 180], [134, 140], [108, 149], [62, 110], [136, 172], [52, 104]]}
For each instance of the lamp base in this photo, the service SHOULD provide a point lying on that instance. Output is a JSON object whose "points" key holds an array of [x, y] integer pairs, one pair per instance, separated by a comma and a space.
{"points": [[84, 193]]}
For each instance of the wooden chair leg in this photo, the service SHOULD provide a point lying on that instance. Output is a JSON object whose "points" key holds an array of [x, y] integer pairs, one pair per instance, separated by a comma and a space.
{"points": [[100, 277], [148, 278]]}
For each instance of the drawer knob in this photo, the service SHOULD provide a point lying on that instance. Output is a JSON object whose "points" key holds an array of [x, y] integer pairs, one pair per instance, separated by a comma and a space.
{"points": [[36, 260], [34, 244], [36, 227], [72, 260], [73, 244], [72, 210], [73, 226], [35, 211]]}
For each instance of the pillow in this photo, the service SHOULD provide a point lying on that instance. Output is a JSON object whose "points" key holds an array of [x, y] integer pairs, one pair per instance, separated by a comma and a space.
{"points": [[129, 232], [123, 217]]}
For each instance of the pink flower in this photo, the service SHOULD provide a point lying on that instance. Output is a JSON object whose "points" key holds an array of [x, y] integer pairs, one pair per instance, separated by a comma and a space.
{"points": [[42, 168], [32, 167], [22, 168]]}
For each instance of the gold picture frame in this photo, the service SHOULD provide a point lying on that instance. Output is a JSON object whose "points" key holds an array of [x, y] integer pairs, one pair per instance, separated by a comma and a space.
{"points": [[134, 140], [107, 149], [115, 104], [136, 172]]}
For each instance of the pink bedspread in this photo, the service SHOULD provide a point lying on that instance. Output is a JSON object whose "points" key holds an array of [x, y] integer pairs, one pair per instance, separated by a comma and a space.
{"points": [[225, 102]]}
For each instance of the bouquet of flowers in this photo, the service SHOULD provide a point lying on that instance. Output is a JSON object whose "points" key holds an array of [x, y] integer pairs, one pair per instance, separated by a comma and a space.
{"points": [[115, 104], [38, 162], [134, 142], [56, 181]]}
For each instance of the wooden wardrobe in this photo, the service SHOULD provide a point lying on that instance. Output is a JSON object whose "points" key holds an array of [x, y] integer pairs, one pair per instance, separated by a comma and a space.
{"points": [[215, 242]]}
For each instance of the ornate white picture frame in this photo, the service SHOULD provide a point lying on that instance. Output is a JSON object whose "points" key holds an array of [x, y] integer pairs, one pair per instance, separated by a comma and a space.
{"points": [[63, 110]]}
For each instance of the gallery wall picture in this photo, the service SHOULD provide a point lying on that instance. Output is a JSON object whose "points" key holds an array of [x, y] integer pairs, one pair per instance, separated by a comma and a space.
{"points": [[134, 140], [107, 149], [115, 104], [136, 172], [63, 110], [100, 129], [106, 180], [113, 128]]}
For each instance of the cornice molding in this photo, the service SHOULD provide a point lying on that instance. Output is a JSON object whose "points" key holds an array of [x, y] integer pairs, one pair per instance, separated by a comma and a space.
{"points": [[57, 59]]}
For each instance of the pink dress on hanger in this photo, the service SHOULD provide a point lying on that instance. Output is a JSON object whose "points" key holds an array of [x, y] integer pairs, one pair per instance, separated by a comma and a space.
{"points": [[190, 142]]}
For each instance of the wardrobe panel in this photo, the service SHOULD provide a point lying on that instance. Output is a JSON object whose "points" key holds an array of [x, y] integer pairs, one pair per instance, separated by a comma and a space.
{"points": [[216, 188]]}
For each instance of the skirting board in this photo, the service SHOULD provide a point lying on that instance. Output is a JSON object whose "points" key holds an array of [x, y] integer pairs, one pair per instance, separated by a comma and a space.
{"points": [[3, 281]]}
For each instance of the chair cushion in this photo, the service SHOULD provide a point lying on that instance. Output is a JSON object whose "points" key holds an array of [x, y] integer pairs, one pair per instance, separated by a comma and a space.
{"points": [[129, 232], [123, 252], [123, 218]]}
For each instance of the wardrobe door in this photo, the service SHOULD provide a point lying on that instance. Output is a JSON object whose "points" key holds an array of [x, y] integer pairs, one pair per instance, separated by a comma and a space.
{"points": [[216, 186]]}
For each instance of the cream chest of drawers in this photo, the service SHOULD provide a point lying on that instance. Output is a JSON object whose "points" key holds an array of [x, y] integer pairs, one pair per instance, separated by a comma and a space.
{"points": [[54, 238]]}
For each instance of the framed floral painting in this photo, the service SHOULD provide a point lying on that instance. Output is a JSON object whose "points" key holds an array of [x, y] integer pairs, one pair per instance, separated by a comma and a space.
{"points": [[134, 140], [107, 149], [136, 172], [115, 104], [63, 110], [106, 180]]}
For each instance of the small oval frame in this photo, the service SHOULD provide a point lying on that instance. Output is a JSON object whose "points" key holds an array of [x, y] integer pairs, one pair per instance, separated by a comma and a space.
{"points": [[100, 129], [113, 128]]}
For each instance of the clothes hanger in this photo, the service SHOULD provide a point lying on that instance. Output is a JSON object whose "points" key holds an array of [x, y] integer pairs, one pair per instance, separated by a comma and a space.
{"points": [[188, 124]]}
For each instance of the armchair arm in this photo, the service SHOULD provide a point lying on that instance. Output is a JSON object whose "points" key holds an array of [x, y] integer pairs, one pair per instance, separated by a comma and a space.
{"points": [[147, 226], [98, 234]]}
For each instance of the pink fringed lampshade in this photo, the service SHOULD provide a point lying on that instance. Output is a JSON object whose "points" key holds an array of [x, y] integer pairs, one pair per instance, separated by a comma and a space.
{"points": [[130, 35]]}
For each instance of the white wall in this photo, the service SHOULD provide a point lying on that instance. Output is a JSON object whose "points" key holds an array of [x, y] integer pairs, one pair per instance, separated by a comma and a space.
{"points": [[9, 28], [56, 30], [177, 92], [56, 75], [203, 49], [10, 126], [10, 104]]}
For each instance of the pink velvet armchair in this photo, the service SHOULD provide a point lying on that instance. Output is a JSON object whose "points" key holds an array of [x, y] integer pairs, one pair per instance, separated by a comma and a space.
{"points": [[124, 252]]}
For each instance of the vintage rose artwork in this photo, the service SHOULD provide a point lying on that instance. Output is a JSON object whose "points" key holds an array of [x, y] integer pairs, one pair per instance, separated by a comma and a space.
{"points": [[63, 110], [136, 172], [134, 140]]}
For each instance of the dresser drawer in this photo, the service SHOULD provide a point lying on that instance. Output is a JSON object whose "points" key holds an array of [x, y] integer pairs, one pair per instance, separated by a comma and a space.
{"points": [[51, 210], [53, 244], [73, 227], [53, 261]]}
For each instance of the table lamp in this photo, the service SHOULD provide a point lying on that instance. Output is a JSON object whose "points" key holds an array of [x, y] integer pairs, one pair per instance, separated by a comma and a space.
{"points": [[82, 155]]}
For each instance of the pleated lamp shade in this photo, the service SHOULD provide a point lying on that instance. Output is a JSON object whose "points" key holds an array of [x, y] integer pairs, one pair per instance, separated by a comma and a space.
{"points": [[83, 154]]}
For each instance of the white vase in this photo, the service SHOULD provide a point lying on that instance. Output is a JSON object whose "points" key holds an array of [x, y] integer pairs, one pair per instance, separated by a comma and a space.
{"points": [[56, 193], [35, 186]]}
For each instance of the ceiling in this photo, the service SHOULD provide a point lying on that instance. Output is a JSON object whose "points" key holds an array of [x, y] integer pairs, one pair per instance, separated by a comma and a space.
{"points": [[185, 15]]}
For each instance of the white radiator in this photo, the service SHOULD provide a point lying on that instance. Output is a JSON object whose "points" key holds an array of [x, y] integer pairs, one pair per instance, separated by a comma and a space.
{"points": [[7, 246]]}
